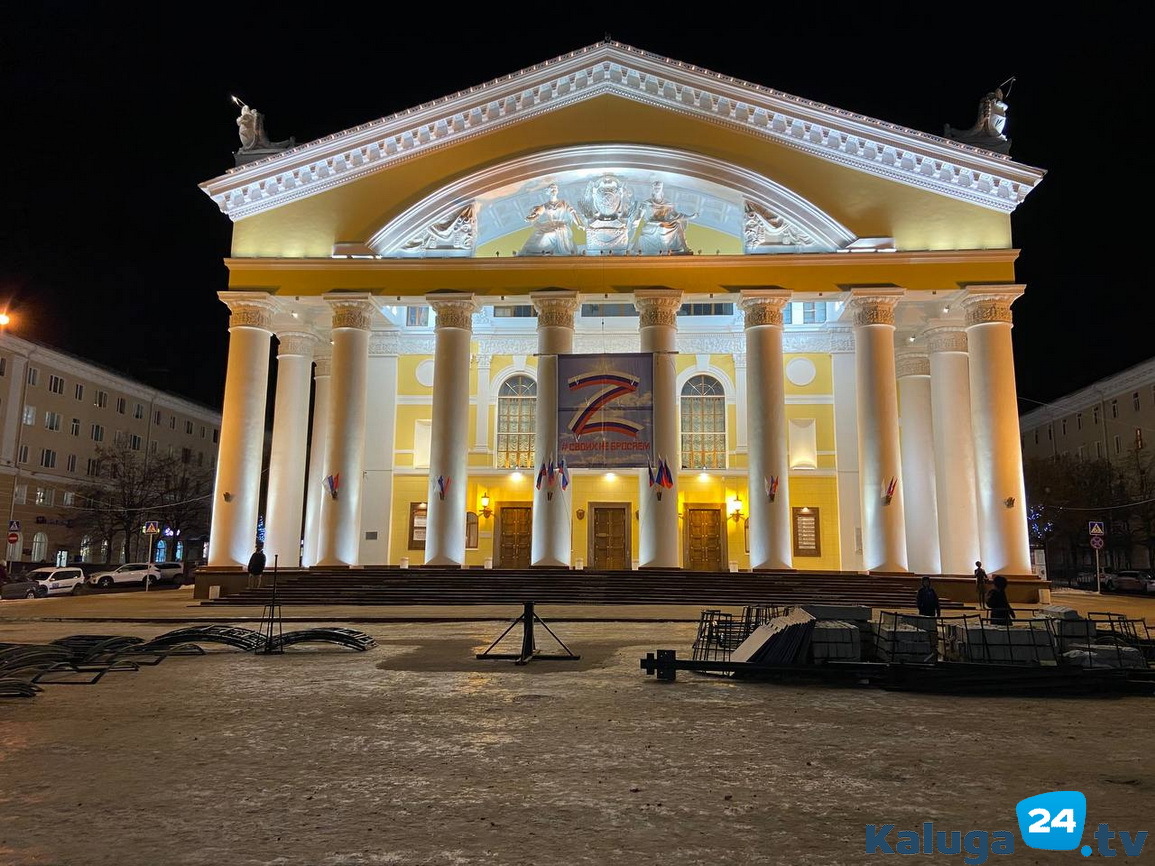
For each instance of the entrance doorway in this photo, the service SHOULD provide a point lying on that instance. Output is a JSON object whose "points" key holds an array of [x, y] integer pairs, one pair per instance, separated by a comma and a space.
{"points": [[705, 541], [514, 530], [609, 542]]}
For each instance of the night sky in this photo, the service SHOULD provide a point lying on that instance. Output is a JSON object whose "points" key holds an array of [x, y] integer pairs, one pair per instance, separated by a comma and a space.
{"points": [[111, 118]]}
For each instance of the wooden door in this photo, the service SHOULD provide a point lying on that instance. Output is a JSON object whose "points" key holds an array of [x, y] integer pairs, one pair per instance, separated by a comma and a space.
{"points": [[705, 538], [609, 546], [514, 535]]}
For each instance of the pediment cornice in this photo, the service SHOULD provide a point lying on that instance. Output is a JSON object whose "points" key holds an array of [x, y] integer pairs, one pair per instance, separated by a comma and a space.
{"points": [[886, 150]]}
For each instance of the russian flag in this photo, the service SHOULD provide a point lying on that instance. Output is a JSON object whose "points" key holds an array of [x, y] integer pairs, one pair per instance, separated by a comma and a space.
{"points": [[564, 474], [540, 476]]}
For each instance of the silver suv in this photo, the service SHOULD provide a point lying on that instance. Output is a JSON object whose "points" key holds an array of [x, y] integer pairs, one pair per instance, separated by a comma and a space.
{"points": [[130, 572]]}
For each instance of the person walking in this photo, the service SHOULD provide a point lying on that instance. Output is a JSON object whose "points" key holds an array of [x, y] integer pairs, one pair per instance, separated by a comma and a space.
{"points": [[981, 584], [256, 565], [927, 600], [1001, 611]]}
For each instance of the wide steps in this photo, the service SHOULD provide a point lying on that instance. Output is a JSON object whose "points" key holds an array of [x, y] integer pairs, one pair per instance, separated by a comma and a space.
{"points": [[426, 586]]}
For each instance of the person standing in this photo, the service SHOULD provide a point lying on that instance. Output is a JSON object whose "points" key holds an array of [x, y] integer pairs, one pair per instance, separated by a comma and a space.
{"points": [[927, 600], [256, 565], [1000, 607], [981, 584]]}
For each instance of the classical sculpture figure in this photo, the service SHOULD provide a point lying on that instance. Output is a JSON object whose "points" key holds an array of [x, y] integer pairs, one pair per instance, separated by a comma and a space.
{"points": [[988, 129], [251, 129], [552, 227], [661, 226], [452, 232], [608, 202], [763, 230]]}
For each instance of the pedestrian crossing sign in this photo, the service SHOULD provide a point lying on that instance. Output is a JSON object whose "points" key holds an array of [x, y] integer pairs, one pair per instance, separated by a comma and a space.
{"points": [[1095, 527], [151, 527]]}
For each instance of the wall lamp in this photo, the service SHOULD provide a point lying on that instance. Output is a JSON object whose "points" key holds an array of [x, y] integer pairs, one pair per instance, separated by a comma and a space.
{"points": [[485, 510], [736, 509]]}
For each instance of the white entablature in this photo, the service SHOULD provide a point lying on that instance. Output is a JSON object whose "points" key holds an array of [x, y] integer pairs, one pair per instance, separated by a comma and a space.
{"points": [[886, 150]]}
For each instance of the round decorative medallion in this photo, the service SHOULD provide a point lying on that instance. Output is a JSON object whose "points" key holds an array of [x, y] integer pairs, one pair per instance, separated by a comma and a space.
{"points": [[801, 371], [425, 373]]}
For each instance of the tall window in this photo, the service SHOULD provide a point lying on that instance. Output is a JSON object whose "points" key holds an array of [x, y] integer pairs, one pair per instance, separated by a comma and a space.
{"points": [[40, 547], [703, 424], [516, 406]]}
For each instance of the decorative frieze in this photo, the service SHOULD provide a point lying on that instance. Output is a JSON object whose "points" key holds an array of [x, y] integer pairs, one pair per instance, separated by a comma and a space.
{"points": [[296, 343], [455, 313], [912, 364], [351, 313], [841, 340], [511, 345], [946, 340]]}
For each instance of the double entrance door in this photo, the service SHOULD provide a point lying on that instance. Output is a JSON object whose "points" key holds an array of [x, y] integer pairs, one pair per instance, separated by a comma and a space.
{"points": [[514, 530], [704, 544], [609, 536]]}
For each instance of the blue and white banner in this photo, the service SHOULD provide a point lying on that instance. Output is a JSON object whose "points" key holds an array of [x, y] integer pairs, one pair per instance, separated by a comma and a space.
{"points": [[605, 410]]}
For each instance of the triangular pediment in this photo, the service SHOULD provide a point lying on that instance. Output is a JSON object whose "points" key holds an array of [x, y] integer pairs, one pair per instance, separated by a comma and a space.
{"points": [[918, 159]]}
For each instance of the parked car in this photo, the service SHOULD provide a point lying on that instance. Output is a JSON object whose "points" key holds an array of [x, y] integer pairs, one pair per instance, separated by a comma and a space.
{"points": [[130, 572], [41, 582], [1129, 581], [170, 572]]}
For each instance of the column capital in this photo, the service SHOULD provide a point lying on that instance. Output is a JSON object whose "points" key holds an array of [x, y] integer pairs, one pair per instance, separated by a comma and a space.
{"points": [[985, 304], [658, 306], [249, 309], [453, 309], [300, 343], [351, 310], [874, 306], [555, 309], [946, 338], [324, 365], [764, 306], [911, 364]]}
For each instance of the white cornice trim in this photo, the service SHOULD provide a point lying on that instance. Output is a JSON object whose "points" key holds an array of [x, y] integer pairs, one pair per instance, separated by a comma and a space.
{"points": [[886, 150]]}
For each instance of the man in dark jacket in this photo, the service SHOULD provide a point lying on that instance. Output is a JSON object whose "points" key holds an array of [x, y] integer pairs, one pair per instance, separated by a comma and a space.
{"points": [[256, 565], [1001, 611], [927, 601]]}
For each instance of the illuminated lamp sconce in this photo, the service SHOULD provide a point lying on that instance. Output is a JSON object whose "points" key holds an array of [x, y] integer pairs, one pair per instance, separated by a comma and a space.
{"points": [[736, 509], [485, 511], [580, 514], [1009, 502]]}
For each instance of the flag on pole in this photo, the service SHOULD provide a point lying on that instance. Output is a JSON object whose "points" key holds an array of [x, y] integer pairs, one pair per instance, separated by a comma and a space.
{"points": [[442, 486], [540, 476], [665, 476], [551, 473], [561, 468], [332, 484], [771, 487], [650, 470]]}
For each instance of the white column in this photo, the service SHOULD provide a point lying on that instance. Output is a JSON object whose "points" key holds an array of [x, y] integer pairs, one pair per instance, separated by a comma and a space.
{"points": [[380, 426], [449, 438], [769, 522], [658, 518], [995, 422], [552, 530], [237, 492], [286, 493], [319, 428], [339, 542], [846, 449], [883, 528], [954, 449], [918, 462]]}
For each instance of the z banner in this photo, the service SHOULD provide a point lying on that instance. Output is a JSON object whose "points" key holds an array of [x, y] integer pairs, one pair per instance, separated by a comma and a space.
{"points": [[605, 410]]}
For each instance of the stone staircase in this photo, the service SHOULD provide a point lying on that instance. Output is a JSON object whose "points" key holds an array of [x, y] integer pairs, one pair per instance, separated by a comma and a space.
{"points": [[394, 586]]}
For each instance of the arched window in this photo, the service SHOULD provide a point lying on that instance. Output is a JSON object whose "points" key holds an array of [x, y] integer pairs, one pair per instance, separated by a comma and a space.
{"points": [[516, 405], [703, 424], [40, 547], [162, 551]]}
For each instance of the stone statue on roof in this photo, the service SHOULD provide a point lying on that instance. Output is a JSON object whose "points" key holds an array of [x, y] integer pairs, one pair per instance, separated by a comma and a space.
{"points": [[255, 142], [988, 129]]}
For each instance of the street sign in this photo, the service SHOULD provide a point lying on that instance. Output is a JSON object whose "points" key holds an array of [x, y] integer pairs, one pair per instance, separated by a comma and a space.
{"points": [[13, 537], [1095, 527], [1097, 542], [151, 527], [13, 525]]}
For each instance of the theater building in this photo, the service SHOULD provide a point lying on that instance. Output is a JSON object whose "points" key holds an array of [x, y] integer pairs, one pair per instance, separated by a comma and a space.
{"points": [[744, 329]]}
